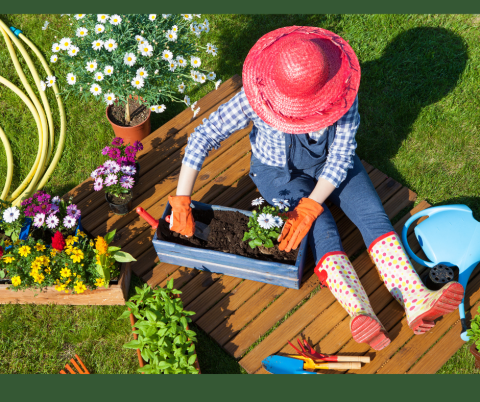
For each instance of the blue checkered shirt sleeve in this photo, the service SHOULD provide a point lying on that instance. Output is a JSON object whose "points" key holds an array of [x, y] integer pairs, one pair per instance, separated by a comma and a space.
{"points": [[228, 118], [342, 150]]}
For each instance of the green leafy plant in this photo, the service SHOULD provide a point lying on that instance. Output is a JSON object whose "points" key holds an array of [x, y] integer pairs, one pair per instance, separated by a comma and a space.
{"points": [[164, 339], [474, 332], [265, 225]]}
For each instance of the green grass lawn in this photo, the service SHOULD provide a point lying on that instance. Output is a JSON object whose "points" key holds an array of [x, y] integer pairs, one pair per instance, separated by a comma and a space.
{"points": [[420, 114]]}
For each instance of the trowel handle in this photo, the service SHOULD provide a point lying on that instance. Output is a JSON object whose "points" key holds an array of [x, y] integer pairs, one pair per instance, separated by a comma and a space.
{"points": [[145, 215], [361, 359], [338, 366]]}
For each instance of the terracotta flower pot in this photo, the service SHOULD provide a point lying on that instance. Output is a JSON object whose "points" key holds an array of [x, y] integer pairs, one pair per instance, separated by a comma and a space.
{"points": [[131, 134], [474, 351]]}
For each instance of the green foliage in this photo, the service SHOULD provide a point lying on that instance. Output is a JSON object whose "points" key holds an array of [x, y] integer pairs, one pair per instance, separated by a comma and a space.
{"points": [[474, 332], [11, 229], [164, 339]]}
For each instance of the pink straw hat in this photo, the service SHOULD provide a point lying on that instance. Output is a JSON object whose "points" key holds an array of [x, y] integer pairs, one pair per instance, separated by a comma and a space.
{"points": [[301, 79]]}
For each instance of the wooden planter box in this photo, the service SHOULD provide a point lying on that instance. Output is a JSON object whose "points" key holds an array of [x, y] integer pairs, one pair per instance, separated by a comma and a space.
{"points": [[115, 294], [286, 275]]}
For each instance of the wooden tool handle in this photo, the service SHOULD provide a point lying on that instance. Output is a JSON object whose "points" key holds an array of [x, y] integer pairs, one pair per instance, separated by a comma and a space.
{"points": [[339, 366], [361, 359]]}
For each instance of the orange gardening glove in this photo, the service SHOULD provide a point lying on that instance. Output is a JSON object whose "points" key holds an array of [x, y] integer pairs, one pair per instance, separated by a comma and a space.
{"points": [[182, 219], [299, 222]]}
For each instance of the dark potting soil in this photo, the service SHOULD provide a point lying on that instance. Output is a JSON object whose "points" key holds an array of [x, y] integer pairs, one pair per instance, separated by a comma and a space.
{"points": [[42, 234], [138, 113], [226, 233], [118, 200]]}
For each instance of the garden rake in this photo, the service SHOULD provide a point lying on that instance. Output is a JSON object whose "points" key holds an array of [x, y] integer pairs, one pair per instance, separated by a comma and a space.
{"points": [[71, 371]]}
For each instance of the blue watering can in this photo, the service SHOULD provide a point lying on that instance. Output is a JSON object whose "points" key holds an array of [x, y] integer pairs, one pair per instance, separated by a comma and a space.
{"points": [[450, 236]]}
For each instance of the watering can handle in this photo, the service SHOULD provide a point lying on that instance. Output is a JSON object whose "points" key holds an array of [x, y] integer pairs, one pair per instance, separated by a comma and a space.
{"points": [[426, 212]]}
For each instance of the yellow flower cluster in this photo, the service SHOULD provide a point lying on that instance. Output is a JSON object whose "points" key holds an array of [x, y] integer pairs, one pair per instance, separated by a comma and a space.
{"points": [[16, 281], [80, 287], [77, 255], [99, 282], [101, 245], [24, 251], [36, 268], [81, 234], [39, 247], [70, 240], [8, 260], [66, 273]]}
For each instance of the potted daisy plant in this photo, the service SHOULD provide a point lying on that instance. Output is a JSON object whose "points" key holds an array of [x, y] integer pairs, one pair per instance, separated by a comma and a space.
{"points": [[136, 62]]}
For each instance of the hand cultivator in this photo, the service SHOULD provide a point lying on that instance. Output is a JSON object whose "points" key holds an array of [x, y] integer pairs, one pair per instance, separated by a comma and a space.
{"points": [[71, 371], [315, 356]]}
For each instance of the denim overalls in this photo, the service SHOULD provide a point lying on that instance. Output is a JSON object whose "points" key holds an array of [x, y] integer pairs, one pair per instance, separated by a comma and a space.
{"points": [[356, 195]]}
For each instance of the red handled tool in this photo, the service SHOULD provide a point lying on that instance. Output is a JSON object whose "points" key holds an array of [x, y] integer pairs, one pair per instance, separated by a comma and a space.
{"points": [[314, 355], [149, 218], [79, 369]]}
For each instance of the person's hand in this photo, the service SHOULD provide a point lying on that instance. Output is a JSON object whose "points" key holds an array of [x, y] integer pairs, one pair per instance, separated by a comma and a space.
{"points": [[299, 222], [182, 219]]}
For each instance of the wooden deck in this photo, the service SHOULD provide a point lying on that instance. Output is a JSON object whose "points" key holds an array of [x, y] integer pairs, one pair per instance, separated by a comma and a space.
{"points": [[240, 314]]}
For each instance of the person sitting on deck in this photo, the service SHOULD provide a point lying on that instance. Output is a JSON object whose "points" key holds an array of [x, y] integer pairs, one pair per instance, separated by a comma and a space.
{"points": [[300, 89]]}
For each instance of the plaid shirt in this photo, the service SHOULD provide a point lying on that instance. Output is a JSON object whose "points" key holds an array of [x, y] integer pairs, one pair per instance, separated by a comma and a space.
{"points": [[268, 143]]}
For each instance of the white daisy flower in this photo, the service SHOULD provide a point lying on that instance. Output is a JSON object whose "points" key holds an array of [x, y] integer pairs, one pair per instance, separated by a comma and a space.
{"points": [[217, 84], [181, 88], [187, 17], [108, 70], [197, 15], [109, 98], [56, 48], [99, 28], [154, 108], [38, 220], [146, 49], [79, 16], [139, 38], [195, 75], [167, 55], [52, 221], [202, 78], [110, 45], [278, 222], [161, 108], [175, 29], [193, 105], [171, 36], [195, 112], [50, 80], [258, 201], [156, 72], [11, 214], [141, 72], [137, 82], [129, 59], [102, 18], [97, 44], [43, 86], [81, 32], [186, 100], [211, 76], [91, 66], [266, 221], [196, 62], [98, 76], [181, 61], [71, 79], [73, 51], [281, 204], [115, 19], [206, 26], [95, 89], [152, 17], [65, 43], [53, 58], [173, 65], [214, 52]]}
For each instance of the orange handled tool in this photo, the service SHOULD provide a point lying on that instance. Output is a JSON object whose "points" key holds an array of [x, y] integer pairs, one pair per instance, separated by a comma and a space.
{"points": [[71, 371], [145, 215]]}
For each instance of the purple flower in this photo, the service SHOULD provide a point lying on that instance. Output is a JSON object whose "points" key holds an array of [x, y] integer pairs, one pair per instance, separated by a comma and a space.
{"points": [[94, 174], [130, 170], [111, 166], [138, 145], [69, 221], [44, 208], [54, 209], [98, 184], [127, 182], [117, 141], [30, 211], [38, 220], [130, 151], [38, 194], [131, 160], [52, 221], [73, 210], [114, 153], [100, 170], [56, 200], [44, 198], [110, 180], [105, 150], [28, 201]]}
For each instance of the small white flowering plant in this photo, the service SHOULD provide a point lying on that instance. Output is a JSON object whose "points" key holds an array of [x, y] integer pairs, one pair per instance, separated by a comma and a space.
{"points": [[266, 224], [148, 57], [12, 220]]}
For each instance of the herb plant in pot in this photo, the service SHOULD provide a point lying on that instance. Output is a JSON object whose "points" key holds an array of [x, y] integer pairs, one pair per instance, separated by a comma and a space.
{"points": [[136, 62], [474, 334]]}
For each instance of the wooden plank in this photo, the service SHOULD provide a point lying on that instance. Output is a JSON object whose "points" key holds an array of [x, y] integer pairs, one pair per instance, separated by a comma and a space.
{"points": [[197, 285], [445, 348], [170, 128]]}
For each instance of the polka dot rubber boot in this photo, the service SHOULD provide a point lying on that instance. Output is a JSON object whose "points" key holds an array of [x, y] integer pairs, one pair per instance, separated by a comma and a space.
{"points": [[422, 306], [336, 271]]}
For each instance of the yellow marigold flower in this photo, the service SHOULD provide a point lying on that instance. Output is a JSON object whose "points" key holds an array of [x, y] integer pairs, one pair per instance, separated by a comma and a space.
{"points": [[99, 282], [79, 276], [7, 242], [70, 240], [68, 250], [53, 253], [40, 247], [101, 245], [80, 287], [39, 278], [24, 250], [58, 288], [16, 280], [77, 255], [91, 243], [8, 260], [66, 273], [48, 270], [80, 233]]}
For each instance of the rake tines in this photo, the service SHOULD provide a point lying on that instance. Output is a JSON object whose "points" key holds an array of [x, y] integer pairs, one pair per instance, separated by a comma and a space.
{"points": [[71, 371]]}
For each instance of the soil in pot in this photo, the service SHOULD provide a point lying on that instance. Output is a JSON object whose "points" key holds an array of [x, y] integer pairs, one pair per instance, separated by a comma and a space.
{"points": [[138, 113], [226, 233], [112, 199], [42, 234]]}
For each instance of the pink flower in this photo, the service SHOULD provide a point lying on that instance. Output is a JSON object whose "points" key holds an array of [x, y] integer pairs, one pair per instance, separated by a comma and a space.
{"points": [[110, 180], [105, 150], [117, 141], [98, 184], [114, 153], [127, 182]]}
